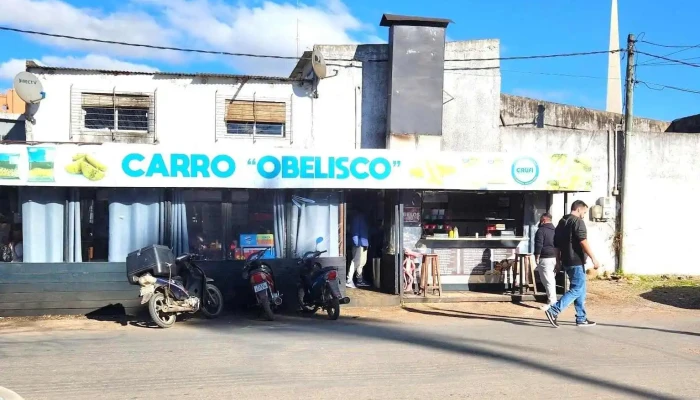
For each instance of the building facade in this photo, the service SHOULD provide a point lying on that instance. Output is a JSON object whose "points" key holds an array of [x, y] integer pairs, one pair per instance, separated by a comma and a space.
{"points": [[219, 165]]}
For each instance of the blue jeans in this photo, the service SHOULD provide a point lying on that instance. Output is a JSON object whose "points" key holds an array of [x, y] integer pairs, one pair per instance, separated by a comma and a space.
{"points": [[576, 294]]}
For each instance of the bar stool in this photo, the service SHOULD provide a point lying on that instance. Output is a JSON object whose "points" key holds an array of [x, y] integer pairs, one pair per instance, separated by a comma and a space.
{"points": [[430, 266], [526, 272]]}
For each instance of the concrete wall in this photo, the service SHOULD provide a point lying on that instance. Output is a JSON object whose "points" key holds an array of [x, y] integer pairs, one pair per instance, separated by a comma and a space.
{"points": [[11, 103], [598, 146], [524, 112], [663, 191], [12, 127], [689, 124], [471, 94]]}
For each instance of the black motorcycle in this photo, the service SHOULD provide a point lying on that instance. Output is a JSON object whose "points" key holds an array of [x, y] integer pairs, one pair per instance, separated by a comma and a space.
{"points": [[262, 283], [172, 285], [318, 286]]}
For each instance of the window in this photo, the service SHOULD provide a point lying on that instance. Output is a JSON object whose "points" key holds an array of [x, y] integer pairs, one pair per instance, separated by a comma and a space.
{"points": [[117, 112], [263, 118], [94, 224], [204, 223]]}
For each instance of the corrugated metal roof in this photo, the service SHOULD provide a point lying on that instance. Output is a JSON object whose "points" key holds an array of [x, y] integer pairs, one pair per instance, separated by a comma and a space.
{"points": [[33, 65], [391, 19]]}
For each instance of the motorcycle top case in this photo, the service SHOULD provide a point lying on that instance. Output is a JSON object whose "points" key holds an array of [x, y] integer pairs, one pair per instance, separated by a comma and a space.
{"points": [[155, 259]]}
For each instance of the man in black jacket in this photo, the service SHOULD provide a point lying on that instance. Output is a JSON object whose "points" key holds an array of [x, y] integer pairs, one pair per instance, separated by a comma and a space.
{"points": [[546, 257], [571, 239]]}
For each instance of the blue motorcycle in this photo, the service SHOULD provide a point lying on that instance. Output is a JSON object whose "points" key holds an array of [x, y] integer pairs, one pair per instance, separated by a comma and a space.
{"points": [[318, 286]]}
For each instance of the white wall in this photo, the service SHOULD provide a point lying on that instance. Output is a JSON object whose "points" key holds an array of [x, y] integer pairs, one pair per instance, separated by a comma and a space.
{"points": [[660, 210], [185, 106]]}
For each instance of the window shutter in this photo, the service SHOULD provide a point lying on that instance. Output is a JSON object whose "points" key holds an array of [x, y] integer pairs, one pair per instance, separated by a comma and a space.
{"points": [[133, 101], [109, 100], [98, 100], [258, 111]]}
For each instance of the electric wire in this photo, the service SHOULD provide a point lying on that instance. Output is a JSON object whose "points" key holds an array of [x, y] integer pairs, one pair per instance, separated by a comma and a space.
{"points": [[235, 54]]}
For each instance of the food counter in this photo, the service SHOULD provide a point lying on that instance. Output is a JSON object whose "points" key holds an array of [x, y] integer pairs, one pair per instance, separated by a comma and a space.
{"points": [[470, 260]]}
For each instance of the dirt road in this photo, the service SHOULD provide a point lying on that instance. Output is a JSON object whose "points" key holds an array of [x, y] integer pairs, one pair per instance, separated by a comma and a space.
{"points": [[423, 352]]}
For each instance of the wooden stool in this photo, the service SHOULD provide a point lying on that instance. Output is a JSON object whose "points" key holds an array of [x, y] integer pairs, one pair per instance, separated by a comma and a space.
{"points": [[526, 272], [430, 267]]}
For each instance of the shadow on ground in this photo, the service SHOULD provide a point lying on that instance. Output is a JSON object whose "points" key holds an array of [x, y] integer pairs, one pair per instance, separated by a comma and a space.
{"points": [[686, 297]]}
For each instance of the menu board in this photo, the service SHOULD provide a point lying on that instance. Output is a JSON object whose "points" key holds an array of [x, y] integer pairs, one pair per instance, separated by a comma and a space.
{"points": [[448, 261], [411, 216], [475, 261]]}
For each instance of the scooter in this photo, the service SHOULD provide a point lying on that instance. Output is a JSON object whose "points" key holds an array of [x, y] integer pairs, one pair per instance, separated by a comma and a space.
{"points": [[186, 289], [318, 286], [262, 283]]}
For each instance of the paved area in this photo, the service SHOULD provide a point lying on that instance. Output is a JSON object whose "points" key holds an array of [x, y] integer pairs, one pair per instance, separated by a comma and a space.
{"points": [[444, 351]]}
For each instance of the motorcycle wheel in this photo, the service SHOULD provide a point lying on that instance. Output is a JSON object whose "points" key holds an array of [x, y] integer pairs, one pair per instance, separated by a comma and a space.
{"points": [[267, 310], [155, 305], [215, 302], [305, 308], [333, 309]]}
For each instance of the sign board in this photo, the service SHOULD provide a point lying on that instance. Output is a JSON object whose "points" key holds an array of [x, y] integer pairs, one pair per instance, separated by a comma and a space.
{"points": [[131, 165]]}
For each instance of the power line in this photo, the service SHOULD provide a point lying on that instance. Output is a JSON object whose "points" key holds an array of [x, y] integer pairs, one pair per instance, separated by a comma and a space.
{"points": [[149, 46], [671, 46], [661, 87], [665, 63], [673, 60], [225, 53], [681, 47]]}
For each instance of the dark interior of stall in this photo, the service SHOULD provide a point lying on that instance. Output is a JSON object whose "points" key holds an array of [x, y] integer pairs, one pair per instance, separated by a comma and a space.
{"points": [[378, 207], [469, 231]]}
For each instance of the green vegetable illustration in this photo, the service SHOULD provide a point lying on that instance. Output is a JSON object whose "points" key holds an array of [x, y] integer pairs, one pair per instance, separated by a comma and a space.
{"points": [[88, 166]]}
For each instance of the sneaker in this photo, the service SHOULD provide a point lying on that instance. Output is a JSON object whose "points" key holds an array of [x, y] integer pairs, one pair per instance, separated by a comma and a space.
{"points": [[552, 319], [361, 283], [586, 323], [350, 285], [545, 307]]}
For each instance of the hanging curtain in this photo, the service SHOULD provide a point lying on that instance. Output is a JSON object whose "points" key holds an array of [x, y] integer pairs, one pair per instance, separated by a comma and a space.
{"points": [[278, 213], [42, 223], [178, 224], [74, 251], [135, 221], [317, 217]]}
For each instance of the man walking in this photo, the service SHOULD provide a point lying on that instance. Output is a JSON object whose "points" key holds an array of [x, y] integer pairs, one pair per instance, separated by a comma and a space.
{"points": [[571, 239], [546, 257], [360, 242]]}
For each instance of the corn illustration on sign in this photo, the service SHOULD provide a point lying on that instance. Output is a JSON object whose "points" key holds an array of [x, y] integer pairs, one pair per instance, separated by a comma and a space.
{"points": [[88, 166]]}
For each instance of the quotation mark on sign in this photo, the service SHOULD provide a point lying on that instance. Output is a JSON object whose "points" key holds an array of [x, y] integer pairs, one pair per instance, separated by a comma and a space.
{"points": [[252, 161], [396, 163]]}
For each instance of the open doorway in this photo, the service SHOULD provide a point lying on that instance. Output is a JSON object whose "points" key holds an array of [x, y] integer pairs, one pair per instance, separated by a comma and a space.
{"points": [[365, 225]]}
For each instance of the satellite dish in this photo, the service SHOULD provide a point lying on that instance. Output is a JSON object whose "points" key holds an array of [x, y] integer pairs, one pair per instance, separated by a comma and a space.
{"points": [[29, 88], [318, 63], [7, 394]]}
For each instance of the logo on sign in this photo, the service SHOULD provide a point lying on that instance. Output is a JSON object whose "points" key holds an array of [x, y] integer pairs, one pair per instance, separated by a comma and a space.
{"points": [[525, 170]]}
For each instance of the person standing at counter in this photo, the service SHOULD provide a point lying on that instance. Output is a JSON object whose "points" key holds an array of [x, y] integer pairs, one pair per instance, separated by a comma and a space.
{"points": [[571, 239], [360, 242], [546, 257]]}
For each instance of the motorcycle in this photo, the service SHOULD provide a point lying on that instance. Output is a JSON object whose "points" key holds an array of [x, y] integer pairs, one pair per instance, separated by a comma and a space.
{"points": [[262, 283], [318, 286], [172, 285]]}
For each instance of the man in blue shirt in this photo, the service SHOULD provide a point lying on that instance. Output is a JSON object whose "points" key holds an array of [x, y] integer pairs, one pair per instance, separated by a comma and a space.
{"points": [[360, 242]]}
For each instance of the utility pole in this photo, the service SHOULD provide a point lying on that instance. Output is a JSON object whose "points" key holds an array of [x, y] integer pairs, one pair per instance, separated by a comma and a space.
{"points": [[629, 102]]}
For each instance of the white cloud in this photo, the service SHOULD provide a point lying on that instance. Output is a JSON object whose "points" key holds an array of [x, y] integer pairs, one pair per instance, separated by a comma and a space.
{"points": [[56, 16], [96, 61], [12, 67], [244, 26], [267, 28]]}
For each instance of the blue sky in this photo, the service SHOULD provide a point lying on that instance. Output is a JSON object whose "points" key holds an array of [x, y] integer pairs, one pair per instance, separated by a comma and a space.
{"points": [[269, 27]]}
